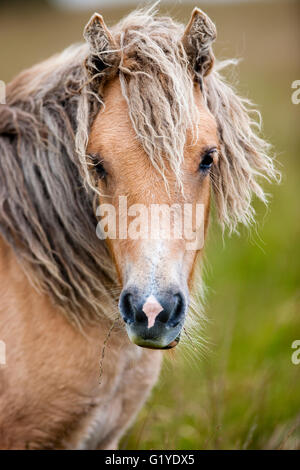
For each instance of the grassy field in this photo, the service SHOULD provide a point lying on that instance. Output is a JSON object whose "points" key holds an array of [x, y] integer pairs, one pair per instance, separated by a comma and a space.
{"points": [[242, 390]]}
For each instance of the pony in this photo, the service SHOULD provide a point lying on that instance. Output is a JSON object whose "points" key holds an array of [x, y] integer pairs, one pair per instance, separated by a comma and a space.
{"points": [[139, 111]]}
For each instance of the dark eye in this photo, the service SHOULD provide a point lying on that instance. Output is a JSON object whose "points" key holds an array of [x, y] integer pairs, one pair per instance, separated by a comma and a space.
{"points": [[97, 166], [207, 159]]}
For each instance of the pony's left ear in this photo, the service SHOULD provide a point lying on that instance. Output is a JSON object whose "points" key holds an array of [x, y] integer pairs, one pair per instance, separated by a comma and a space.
{"points": [[197, 40], [103, 55]]}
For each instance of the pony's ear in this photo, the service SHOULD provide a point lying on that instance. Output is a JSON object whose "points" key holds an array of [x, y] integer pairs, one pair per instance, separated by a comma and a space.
{"points": [[197, 40], [103, 55]]}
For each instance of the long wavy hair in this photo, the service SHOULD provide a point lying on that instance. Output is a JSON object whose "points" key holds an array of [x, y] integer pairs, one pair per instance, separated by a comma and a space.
{"points": [[47, 190]]}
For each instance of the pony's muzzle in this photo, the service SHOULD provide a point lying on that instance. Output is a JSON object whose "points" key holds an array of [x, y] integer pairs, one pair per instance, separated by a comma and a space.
{"points": [[153, 321]]}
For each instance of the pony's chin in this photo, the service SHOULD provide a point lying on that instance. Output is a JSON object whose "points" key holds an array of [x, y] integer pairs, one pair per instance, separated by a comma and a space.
{"points": [[154, 345]]}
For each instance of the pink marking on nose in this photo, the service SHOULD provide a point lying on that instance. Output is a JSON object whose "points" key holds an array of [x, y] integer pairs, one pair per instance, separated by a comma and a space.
{"points": [[151, 308]]}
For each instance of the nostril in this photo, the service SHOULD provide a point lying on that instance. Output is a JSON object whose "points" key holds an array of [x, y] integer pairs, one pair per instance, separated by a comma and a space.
{"points": [[164, 316], [178, 310], [130, 309], [140, 317], [126, 308]]}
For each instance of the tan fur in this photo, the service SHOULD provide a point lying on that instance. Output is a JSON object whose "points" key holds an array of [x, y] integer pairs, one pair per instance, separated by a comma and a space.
{"points": [[127, 164], [50, 396]]}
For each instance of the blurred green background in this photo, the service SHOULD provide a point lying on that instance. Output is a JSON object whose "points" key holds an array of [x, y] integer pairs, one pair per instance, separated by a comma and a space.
{"points": [[241, 389]]}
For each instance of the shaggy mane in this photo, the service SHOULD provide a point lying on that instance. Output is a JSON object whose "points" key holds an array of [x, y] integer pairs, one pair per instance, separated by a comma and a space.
{"points": [[47, 190]]}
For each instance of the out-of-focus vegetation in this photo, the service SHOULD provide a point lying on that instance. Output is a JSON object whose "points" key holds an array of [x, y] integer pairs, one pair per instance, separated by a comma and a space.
{"points": [[243, 391]]}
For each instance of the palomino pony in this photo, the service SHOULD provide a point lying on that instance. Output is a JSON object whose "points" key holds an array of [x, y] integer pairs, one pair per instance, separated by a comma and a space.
{"points": [[138, 111]]}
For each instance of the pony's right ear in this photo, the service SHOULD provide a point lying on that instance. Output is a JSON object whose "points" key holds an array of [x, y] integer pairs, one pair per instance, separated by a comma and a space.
{"points": [[103, 55], [197, 40]]}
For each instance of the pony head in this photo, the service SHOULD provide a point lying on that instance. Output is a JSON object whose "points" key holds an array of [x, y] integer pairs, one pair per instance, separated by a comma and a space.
{"points": [[167, 132]]}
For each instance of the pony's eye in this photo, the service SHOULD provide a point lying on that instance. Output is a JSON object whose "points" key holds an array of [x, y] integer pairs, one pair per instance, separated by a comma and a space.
{"points": [[97, 166], [207, 159], [100, 170]]}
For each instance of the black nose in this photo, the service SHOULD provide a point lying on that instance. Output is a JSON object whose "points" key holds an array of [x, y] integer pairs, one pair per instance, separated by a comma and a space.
{"points": [[153, 320], [172, 308]]}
